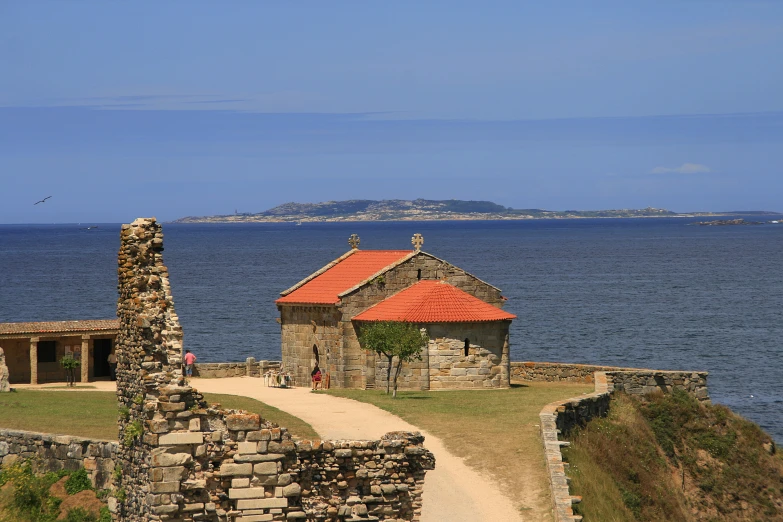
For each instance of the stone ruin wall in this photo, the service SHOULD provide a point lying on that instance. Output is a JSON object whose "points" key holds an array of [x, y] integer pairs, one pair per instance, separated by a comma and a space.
{"points": [[49, 452], [182, 460]]}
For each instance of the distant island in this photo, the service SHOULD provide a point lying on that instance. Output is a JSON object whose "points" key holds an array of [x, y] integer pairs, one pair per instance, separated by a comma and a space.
{"points": [[429, 210]]}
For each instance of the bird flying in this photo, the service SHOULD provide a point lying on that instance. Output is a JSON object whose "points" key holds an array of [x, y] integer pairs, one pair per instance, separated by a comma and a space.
{"points": [[42, 201]]}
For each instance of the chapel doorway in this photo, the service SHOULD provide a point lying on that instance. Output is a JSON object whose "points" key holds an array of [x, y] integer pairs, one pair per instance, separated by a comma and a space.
{"points": [[101, 348]]}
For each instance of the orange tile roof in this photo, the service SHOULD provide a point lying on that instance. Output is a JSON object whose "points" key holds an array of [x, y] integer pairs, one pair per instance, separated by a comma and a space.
{"points": [[434, 302], [59, 326], [326, 285]]}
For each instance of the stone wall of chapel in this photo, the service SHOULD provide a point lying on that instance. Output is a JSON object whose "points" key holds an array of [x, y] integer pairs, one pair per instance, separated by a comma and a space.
{"points": [[414, 375], [299, 336], [360, 368], [487, 364]]}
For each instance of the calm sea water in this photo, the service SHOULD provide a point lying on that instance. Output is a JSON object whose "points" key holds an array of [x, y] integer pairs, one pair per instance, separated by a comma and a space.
{"points": [[652, 293]]}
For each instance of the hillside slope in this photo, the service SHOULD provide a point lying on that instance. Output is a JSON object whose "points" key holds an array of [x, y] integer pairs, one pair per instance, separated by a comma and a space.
{"points": [[676, 460]]}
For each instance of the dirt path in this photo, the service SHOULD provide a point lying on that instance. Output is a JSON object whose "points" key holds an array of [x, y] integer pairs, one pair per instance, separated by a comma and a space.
{"points": [[452, 491]]}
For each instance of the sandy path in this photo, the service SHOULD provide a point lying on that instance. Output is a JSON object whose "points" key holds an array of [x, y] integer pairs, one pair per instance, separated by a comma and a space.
{"points": [[452, 491]]}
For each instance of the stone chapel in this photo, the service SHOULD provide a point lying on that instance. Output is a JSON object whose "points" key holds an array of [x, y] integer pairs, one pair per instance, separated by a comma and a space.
{"points": [[321, 317]]}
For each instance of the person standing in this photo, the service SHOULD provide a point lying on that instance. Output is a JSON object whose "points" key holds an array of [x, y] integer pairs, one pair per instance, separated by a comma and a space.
{"points": [[189, 360], [112, 360]]}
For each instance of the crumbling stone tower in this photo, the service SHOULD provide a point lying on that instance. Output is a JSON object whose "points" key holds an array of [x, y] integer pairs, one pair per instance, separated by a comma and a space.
{"points": [[149, 356], [185, 462]]}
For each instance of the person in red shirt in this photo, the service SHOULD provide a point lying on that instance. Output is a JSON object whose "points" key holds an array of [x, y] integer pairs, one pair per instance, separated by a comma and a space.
{"points": [[189, 360], [316, 375]]}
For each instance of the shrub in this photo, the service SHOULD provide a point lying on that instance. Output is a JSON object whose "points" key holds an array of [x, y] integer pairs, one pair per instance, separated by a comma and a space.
{"points": [[30, 499], [78, 481], [133, 431]]}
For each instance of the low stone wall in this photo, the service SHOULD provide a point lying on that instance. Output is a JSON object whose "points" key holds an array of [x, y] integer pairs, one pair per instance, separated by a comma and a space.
{"points": [[250, 367], [558, 372], [561, 417], [49, 452]]}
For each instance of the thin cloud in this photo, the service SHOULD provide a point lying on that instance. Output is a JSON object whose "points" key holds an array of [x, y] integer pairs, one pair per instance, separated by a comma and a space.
{"points": [[685, 168]]}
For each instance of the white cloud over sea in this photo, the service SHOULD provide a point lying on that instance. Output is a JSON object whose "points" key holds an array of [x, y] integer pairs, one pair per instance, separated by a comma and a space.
{"points": [[685, 168]]}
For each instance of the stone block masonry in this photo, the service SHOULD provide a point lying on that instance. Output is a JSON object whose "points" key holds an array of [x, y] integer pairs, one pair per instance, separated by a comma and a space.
{"points": [[185, 461], [48, 452], [249, 368]]}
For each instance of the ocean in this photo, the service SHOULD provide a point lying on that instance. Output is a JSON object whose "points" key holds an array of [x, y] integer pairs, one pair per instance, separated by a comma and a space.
{"points": [[652, 293]]}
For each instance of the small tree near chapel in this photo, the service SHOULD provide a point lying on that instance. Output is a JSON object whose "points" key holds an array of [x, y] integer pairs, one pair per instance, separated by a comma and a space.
{"points": [[392, 339]]}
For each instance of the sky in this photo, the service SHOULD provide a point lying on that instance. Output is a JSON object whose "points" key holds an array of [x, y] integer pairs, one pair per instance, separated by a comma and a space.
{"points": [[169, 109]]}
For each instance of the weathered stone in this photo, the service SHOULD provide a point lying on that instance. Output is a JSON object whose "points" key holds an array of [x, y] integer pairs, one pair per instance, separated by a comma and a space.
{"points": [[173, 439], [229, 470], [292, 490], [244, 422], [246, 493], [161, 458], [266, 503], [265, 468]]}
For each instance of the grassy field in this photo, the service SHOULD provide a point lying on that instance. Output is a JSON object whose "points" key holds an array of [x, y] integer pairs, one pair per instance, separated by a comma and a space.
{"points": [[93, 414], [496, 431]]}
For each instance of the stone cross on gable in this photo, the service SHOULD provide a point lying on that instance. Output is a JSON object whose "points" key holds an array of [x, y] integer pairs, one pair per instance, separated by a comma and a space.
{"points": [[354, 241], [417, 240]]}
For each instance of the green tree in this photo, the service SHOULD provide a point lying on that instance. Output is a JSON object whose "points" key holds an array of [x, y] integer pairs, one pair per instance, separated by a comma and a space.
{"points": [[70, 364], [392, 339]]}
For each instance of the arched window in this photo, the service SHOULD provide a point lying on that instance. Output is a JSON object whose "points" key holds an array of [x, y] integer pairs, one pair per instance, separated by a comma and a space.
{"points": [[467, 346], [315, 354]]}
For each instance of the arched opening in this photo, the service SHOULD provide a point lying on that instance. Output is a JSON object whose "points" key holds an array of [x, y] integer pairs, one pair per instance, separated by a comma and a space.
{"points": [[315, 354], [418, 274], [467, 346]]}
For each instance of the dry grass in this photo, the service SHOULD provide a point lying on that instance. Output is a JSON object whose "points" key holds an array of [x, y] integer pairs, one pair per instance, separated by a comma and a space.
{"points": [[496, 431], [670, 458], [93, 414], [296, 426]]}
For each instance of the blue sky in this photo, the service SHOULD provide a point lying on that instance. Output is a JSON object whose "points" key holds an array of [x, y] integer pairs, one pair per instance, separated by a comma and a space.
{"points": [[119, 110]]}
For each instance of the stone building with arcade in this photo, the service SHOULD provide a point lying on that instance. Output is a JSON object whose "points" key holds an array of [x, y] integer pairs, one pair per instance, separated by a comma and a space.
{"points": [[33, 351], [321, 319]]}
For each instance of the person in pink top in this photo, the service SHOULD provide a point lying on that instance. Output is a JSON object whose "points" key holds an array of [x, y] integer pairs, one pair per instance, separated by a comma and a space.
{"points": [[189, 360]]}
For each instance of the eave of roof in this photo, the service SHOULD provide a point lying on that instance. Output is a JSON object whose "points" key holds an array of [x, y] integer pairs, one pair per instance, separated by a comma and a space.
{"points": [[58, 327], [434, 302]]}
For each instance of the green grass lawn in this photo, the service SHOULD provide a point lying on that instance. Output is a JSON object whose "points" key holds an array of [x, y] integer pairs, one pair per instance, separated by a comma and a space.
{"points": [[93, 414], [496, 431]]}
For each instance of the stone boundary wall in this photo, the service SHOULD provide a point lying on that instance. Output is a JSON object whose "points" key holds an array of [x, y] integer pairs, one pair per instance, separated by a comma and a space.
{"points": [[558, 372], [560, 417], [50, 452], [251, 368]]}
